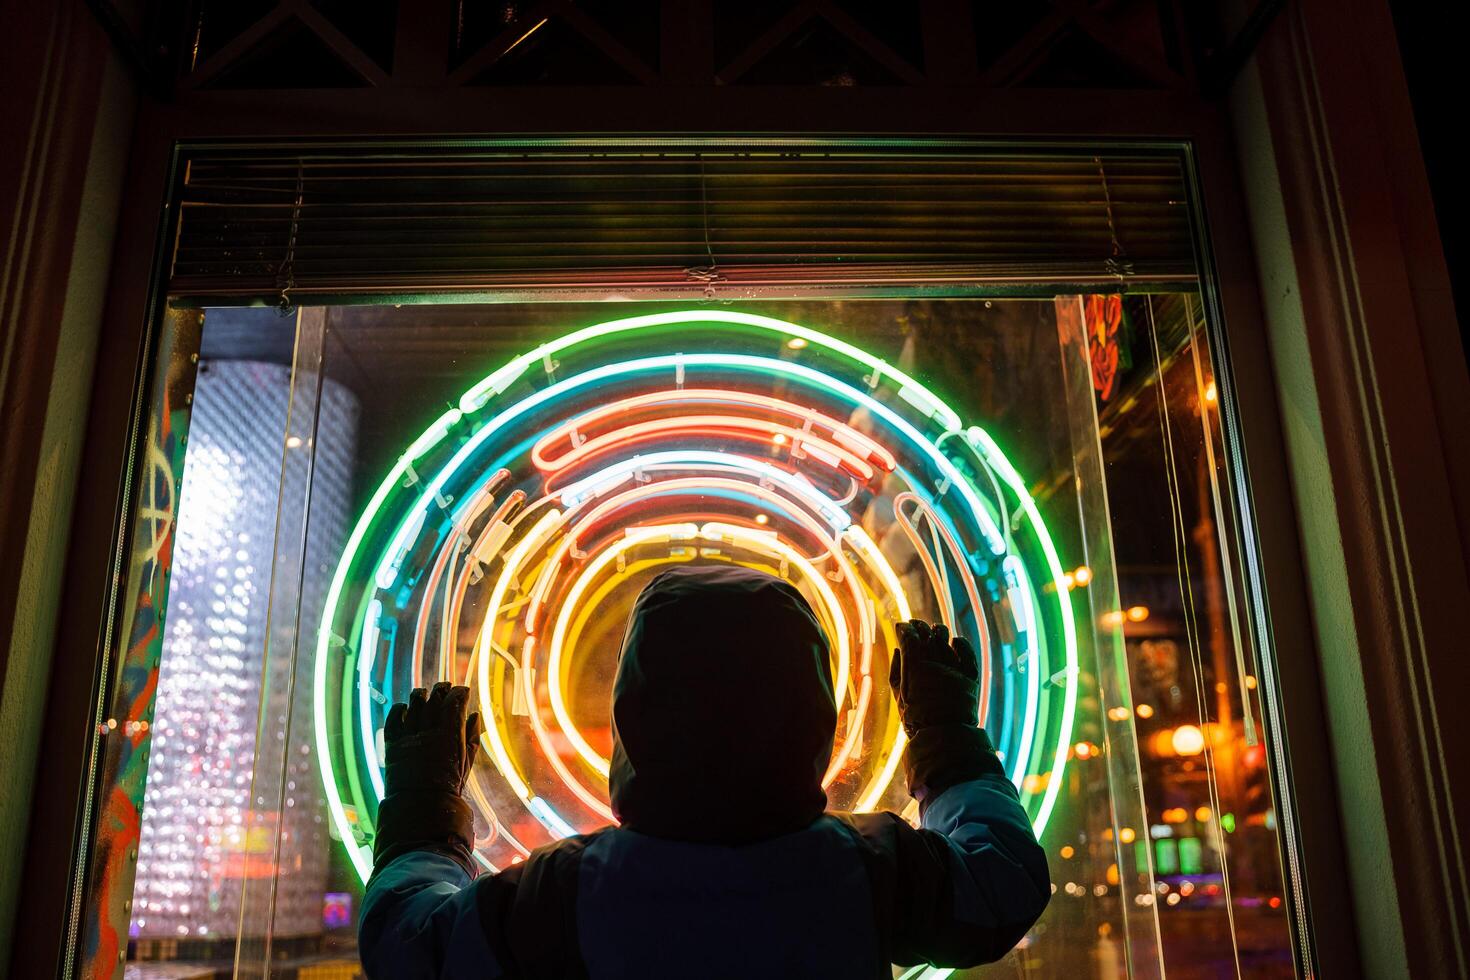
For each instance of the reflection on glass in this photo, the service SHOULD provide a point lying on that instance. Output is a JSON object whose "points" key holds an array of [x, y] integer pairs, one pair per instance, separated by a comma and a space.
{"points": [[506, 546], [478, 493], [1193, 667]]}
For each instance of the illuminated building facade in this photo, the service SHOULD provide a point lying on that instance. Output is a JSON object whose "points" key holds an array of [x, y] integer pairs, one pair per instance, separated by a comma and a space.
{"points": [[199, 842]]}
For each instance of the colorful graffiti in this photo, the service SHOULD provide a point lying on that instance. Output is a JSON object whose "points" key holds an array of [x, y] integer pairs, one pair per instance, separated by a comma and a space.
{"points": [[124, 728]]}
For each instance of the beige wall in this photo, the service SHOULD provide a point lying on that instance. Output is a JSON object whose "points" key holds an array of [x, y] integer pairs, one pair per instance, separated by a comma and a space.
{"points": [[66, 124]]}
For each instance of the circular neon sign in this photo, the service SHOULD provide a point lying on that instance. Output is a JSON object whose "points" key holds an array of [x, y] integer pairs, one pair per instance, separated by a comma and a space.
{"points": [[504, 549]]}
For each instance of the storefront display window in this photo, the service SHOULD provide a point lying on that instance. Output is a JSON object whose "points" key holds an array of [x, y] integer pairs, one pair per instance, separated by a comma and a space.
{"points": [[343, 501]]}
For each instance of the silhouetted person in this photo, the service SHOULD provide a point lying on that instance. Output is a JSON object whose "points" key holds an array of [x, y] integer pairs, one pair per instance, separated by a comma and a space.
{"points": [[726, 863]]}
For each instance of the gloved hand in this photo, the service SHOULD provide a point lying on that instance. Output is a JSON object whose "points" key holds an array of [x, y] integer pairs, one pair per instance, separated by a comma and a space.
{"points": [[429, 746], [429, 742], [936, 682]]}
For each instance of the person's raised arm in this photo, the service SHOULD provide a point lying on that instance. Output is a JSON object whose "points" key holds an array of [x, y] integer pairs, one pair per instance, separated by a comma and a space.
{"points": [[419, 917], [966, 887]]}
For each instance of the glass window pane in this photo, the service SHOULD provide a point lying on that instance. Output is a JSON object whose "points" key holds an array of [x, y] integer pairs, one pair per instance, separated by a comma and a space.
{"points": [[372, 498]]}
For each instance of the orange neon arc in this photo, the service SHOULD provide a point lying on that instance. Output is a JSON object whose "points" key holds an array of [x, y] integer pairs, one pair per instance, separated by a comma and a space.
{"points": [[856, 450]]}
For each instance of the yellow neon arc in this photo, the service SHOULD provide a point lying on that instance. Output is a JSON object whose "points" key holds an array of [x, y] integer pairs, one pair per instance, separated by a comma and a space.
{"points": [[683, 533], [713, 533]]}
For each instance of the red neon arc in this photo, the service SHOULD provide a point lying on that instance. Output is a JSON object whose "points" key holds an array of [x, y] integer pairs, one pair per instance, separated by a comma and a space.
{"points": [[483, 498], [760, 431], [856, 450], [933, 567]]}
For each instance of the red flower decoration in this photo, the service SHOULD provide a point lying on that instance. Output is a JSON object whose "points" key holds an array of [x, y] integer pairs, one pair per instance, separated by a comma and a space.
{"points": [[1102, 316]]}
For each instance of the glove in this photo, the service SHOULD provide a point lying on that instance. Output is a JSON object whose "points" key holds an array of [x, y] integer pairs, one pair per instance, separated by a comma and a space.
{"points": [[429, 746], [937, 685]]}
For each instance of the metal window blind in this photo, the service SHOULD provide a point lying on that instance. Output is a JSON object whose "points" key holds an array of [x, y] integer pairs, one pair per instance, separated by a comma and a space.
{"points": [[382, 225]]}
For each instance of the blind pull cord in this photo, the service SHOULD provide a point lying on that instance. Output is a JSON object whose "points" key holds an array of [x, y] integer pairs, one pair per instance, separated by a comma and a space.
{"points": [[1118, 263], [286, 274], [708, 274]]}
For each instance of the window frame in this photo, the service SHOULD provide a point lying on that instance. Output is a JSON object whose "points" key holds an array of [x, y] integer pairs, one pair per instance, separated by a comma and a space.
{"points": [[1311, 838]]}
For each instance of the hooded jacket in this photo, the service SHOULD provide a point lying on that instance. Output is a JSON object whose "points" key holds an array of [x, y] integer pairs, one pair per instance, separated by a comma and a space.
{"points": [[725, 862], [724, 682]]}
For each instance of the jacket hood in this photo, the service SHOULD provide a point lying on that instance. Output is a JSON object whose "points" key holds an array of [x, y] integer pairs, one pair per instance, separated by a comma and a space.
{"points": [[723, 715]]}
